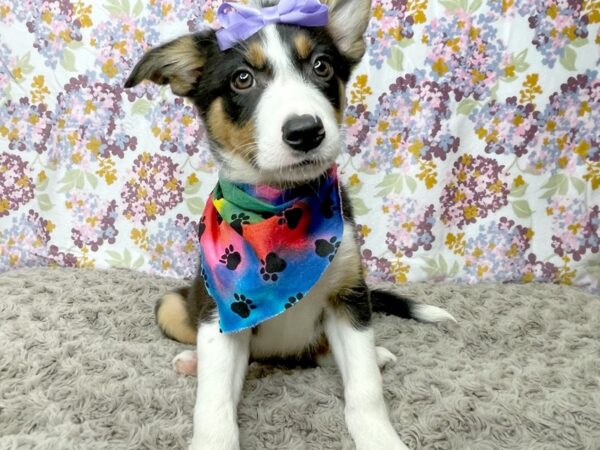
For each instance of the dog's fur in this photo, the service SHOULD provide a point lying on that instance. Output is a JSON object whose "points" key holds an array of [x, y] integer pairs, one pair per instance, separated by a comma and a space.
{"points": [[245, 131]]}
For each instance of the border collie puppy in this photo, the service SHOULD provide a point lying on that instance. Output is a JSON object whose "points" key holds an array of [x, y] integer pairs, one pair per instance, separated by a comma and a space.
{"points": [[280, 270]]}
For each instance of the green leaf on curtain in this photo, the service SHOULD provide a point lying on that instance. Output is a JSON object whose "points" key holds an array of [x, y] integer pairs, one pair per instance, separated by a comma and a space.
{"points": [[466, 106], [450, 5], [396, 59], [579, 42], [92, 179], [406, 42], [195, 205], [138, 263], [44, 202], [474, 6], [68, 60], [359, 206], [557, 183], [138, 8], [391, 182], [141, 106], [521, 209], [454, 271], [519, 191], [578, 184], [568, 58], [411, 183]]}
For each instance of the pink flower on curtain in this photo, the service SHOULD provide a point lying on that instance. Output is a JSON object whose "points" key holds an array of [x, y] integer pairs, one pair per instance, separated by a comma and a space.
{"points": [[16, 184]]}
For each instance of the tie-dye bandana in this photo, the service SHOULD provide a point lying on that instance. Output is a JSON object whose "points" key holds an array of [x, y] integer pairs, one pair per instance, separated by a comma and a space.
{"points": [[263, 249]]}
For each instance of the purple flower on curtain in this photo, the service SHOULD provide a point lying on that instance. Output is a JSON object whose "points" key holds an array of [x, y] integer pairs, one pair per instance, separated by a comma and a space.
{"points": [[177, 125], [465, 52], [173, 248], [153, 187], [477, 186], [497, 252], [16, 184], [89, 123], [575, 227], [506, 128], [410, 123], [93, 219], [410, 224], [24, 243], [27, 127]]}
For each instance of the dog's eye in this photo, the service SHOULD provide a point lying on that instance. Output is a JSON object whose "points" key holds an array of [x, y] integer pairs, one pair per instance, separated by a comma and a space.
{"points": [[242, 80], [322, 68]]}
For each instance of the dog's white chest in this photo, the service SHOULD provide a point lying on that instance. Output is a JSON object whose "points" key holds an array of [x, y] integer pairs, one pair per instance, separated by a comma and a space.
{"points": [[293, 331]]}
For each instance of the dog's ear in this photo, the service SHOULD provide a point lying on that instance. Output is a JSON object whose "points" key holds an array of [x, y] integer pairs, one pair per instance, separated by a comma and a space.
{"points": [[178, 63], [348, 20]]}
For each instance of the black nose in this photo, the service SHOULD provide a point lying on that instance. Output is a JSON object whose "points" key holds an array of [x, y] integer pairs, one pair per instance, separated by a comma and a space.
{"points": [[303, 133]]}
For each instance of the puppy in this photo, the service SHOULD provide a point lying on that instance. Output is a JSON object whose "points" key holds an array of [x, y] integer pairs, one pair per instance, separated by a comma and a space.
{"points": [[271, 97]]}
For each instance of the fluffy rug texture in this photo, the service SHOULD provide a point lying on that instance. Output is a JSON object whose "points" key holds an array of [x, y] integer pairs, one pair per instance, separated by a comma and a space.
{"points": [[82, 365]]}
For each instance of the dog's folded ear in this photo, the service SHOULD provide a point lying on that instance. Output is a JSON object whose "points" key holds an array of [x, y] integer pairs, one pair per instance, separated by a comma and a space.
{"points": [[348, 20], [178, 63]]}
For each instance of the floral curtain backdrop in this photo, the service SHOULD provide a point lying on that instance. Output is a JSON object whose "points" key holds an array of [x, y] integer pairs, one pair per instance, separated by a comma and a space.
{"points": [[472, 131]]}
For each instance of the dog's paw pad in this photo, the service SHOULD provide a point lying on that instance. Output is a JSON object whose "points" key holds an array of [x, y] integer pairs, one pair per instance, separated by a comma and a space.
{"points": [[186, 363]]}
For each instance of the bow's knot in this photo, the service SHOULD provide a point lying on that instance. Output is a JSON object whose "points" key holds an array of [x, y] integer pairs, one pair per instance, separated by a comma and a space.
{"points": [[239, 22]]}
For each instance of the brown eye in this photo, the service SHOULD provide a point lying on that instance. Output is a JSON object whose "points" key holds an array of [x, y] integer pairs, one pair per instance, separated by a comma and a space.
{"points": [[322, 68], [242, 80]]}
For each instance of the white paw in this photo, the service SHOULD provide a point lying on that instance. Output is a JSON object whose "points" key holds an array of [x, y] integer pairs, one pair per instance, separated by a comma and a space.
{"points": [[186, 363], [384, 357], [213, 443]]}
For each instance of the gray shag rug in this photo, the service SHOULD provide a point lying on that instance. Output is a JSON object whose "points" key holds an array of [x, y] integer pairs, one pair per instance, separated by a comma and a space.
{"points": [[83, 366]]}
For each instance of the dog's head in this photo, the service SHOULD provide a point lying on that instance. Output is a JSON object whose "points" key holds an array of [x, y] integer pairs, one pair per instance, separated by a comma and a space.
{"points": [[273, 103]]}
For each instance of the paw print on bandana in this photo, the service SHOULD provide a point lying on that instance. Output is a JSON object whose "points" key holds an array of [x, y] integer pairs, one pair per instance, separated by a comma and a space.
{"points": [[271, 265], [290, 217], [201, 227], [242, 306], [204, 277], [231, 258], [237, 220], [293, 300], [327, 249]]}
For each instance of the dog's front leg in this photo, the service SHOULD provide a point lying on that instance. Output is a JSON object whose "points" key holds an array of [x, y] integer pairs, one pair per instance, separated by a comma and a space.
{"points": [[366, 414], [222, 364]]}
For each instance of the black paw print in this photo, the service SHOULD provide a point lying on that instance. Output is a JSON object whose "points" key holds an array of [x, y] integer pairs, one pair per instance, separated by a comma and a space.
{"points": [[237, 220], [327, 208], [292, 300], [231, 258], [328, 248], [219, 219], [271, 265], [201, 227], [204, 277], [242, 305], [291, 217]]}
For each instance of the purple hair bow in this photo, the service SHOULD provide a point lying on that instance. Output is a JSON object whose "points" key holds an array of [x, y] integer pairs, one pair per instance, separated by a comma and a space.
{"points": [[239, 22]]}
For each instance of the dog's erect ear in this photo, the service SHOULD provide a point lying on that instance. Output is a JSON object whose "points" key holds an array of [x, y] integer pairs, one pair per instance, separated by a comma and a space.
{"points": [[348, 20], [178, 63]]}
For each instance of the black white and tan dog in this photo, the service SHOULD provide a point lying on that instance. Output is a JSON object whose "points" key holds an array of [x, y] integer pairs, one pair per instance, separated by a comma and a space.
{"points": [[270, 91]]}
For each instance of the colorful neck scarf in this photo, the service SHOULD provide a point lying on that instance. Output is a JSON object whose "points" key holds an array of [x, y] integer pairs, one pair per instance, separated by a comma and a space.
{"points": [[263, 249]]}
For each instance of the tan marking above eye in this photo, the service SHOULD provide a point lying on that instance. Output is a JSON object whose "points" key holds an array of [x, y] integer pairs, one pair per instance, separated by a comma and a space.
{"points": [[303, 44], [255, 56], [233, 138]]}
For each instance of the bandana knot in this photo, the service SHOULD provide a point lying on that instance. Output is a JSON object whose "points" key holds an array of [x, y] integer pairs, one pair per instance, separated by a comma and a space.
{"points": [[263, 249], [239, 22]]}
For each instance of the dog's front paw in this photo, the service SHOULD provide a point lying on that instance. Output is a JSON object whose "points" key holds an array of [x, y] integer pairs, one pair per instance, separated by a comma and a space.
{"points": [[372, 431], [384, 357], [213, 442]]}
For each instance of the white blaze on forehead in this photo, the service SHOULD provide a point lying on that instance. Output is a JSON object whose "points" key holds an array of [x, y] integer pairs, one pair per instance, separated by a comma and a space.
{"points": [[287, 94]]}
